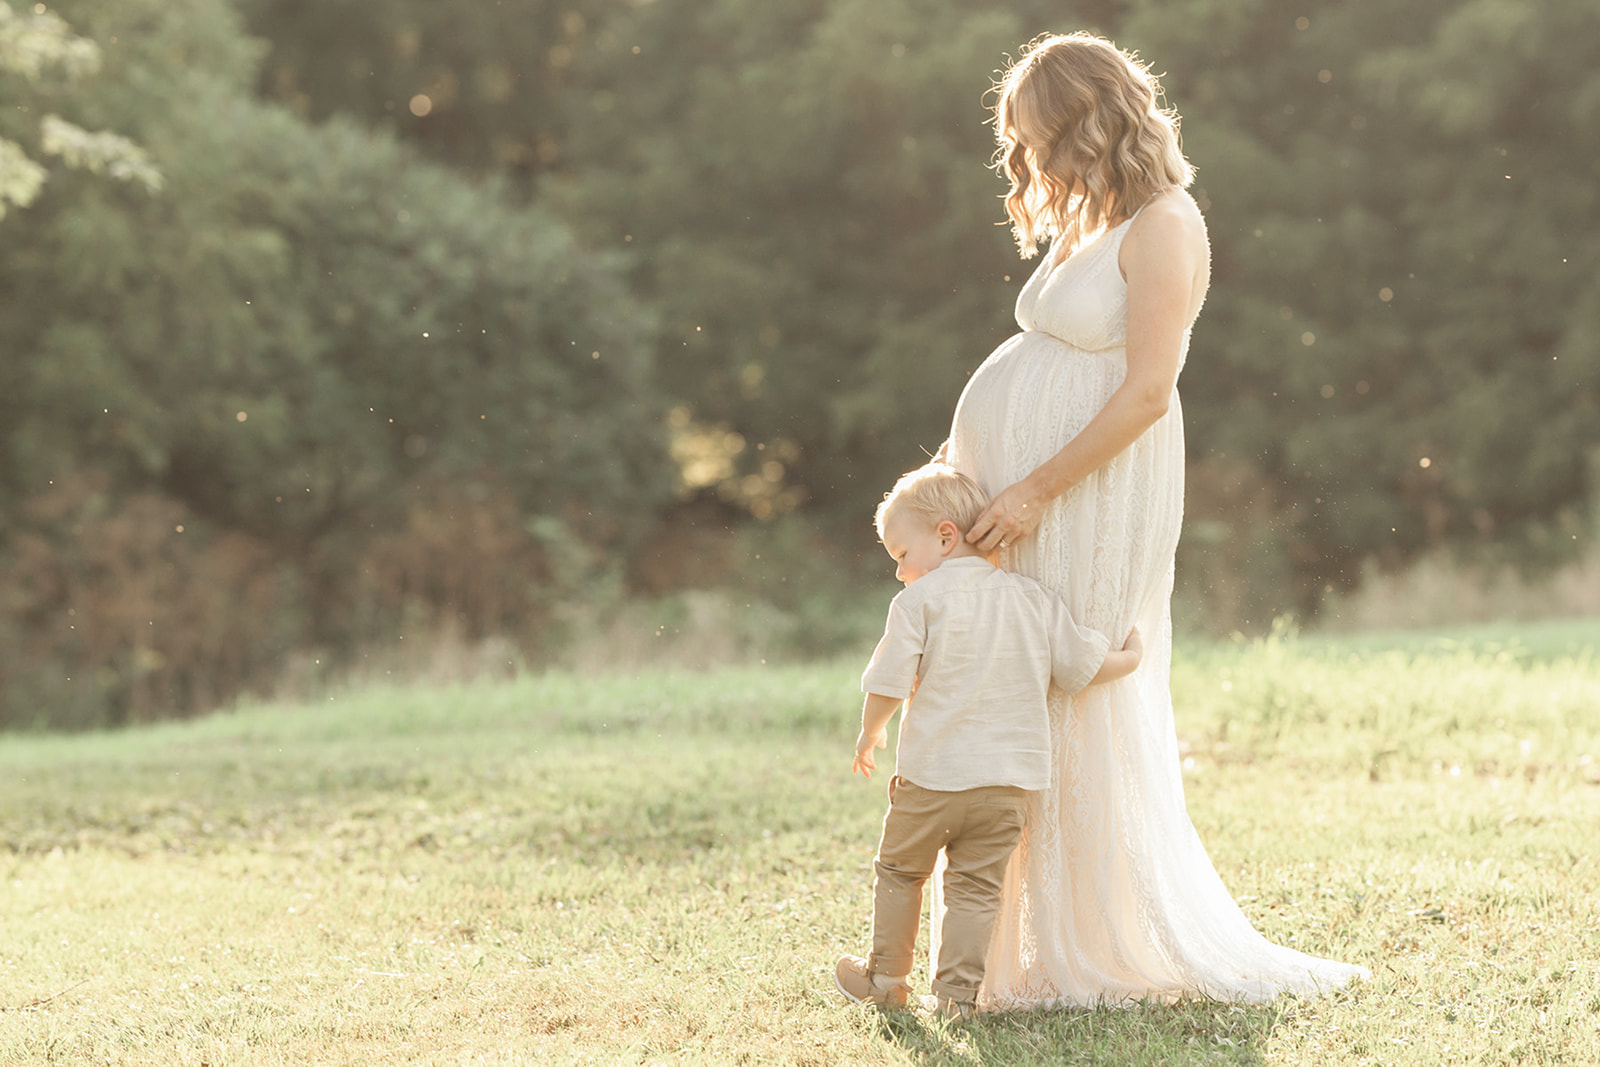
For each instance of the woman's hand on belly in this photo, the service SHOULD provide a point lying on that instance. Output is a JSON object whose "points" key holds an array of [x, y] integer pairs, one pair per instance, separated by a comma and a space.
{"points": [[1013, 514]]}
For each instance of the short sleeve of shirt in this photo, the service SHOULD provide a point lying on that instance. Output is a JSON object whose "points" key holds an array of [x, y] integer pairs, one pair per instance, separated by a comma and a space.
{"points": [[895, 662], [1076, 652]]}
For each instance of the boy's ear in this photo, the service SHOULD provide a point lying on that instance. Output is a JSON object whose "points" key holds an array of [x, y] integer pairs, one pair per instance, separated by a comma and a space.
{"points": [[950, 535]]}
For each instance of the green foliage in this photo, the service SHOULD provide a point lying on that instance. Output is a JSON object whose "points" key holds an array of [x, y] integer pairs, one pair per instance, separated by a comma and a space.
{"points": [[1399, 195], [813, 215], [774, 225], [481, 86], [802, 186], [41, 50], [397, 389], [1400, 337]]}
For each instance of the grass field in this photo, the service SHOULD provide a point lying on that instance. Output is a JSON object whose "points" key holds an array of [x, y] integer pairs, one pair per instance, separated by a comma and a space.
{"points": [[661, 869]]}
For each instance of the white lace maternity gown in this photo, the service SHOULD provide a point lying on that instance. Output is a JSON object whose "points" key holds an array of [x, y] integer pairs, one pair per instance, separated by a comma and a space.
{"points": [[1111, 896]]}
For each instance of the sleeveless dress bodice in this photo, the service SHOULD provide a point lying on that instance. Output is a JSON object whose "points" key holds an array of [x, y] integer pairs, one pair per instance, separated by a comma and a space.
{"points": [[1082, 301]]}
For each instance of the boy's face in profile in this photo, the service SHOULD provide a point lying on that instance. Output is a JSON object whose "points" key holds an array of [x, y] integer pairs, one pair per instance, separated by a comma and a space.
{"points": [[916, 545]]}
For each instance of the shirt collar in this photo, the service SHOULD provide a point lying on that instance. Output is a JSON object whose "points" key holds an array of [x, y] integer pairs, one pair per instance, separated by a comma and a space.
{"points": [[966, 561]]}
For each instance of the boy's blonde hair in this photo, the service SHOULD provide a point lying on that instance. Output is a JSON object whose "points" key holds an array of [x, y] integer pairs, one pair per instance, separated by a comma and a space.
{"points": [[935, 491]]}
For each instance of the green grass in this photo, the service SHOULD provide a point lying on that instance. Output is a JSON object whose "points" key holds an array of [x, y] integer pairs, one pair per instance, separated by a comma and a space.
{"points": [[661, 869], [1545, 639]]}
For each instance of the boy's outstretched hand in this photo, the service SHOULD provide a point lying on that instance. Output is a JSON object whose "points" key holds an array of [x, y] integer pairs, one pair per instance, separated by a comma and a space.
{"points": [[865, 743], [1134, 644], [876, 711]]}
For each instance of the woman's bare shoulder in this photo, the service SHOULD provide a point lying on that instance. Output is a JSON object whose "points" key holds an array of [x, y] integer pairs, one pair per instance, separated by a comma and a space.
{"points": [[1172, 213], [1168, 237], [1169, 223]]}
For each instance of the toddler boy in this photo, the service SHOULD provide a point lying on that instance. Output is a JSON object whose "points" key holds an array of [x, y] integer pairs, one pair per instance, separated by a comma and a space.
{"points": [[972, 650]]}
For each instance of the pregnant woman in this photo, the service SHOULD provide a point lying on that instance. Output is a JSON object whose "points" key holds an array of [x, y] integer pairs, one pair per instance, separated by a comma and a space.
{"points": [[1073, 427]]}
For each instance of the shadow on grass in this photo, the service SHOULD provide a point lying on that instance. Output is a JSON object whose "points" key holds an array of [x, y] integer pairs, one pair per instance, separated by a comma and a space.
{"points": [[1199, 1032]]}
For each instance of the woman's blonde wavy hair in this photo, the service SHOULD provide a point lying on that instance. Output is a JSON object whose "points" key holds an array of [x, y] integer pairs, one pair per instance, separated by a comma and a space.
{"points": [[1110, 144]]}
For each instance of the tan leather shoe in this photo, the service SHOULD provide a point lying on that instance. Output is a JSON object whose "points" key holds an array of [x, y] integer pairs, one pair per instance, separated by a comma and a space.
{"points": [[857, 984]]}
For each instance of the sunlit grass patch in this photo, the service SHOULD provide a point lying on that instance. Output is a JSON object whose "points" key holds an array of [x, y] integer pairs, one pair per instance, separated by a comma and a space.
{"points": [[662, 869]]}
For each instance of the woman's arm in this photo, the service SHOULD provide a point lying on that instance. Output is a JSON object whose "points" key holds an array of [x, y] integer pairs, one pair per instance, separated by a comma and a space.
{"points": [[1166, 264]]}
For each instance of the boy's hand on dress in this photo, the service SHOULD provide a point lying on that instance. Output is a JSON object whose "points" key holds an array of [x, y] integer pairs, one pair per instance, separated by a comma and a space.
{"points": [[1134, 644], [1121, 662], [864, 763]]}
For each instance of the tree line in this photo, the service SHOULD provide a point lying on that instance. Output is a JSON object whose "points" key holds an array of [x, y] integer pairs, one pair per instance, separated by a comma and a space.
{"points": [[449, 314]]}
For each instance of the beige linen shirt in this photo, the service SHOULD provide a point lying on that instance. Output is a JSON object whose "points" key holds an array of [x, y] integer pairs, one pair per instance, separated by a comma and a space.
{"points": [[982, 646]]}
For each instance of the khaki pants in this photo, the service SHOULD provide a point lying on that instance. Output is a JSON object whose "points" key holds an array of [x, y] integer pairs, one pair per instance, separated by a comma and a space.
{"points": [[978, 829]]}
